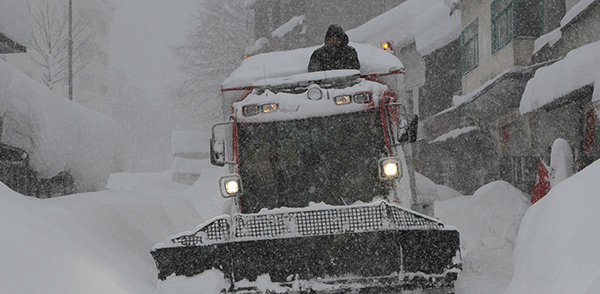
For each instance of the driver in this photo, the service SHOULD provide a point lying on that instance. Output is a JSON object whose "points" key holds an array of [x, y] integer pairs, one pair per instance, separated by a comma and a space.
{"points": [[335, 54]]}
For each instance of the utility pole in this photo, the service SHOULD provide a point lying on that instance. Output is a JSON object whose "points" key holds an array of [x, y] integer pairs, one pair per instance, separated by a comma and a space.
{"points": [[70, 53]]}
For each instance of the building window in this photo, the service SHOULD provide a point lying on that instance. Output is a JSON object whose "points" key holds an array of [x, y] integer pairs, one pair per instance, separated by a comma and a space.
{"points": [[515, 18], [469, 41]]}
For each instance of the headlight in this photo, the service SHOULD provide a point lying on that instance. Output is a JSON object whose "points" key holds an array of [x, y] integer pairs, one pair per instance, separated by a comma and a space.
{"points": [[250, 110], [390, 168], [268, 108], [314, 93], [362, 98], [230, 186], [343, 99]]}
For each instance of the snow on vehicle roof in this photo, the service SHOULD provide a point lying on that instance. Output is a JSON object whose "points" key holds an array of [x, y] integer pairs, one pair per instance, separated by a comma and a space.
{"points": [[297, 106], [307, 78], [579, 68], [373, 60]]}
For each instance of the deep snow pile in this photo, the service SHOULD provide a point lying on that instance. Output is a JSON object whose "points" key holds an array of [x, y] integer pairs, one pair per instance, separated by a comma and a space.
{"points": [[87, 243], [488, 223], [495, 210], [557, 245], [58, 134]]}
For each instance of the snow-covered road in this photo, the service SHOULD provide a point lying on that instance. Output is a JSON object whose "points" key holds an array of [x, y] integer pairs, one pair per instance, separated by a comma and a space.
{"points": [[100, 242]]}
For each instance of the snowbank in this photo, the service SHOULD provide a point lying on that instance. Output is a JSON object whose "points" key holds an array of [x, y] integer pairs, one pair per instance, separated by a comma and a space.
{"points": [[557, 245], [394, 25], [488, 223], [58, 134], [579, 68], [435, 28], [278, 64], [14, 21], [86, 243], [490, 219], [206, 196]]}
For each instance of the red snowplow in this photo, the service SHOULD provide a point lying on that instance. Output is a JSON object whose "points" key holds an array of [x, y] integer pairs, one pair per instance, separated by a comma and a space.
{"points": [[318, 185]]}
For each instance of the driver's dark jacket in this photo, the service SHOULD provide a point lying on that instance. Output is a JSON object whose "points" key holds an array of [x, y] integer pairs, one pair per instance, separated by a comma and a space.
{"points": [[328, 58]]}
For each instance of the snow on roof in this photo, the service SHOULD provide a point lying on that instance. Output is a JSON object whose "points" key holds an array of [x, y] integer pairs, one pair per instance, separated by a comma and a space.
{"points": [[394, 25], [549, 38], [458, 100], [188, 142], [575, 10], [373, 60], [556, 34], [579, 68], [14, 21], [454, 134], [288, 26], [58, 134], [436, 28]]}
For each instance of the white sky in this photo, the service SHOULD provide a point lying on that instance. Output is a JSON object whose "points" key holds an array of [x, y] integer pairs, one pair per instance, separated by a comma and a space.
{"points": [[141, 33]]}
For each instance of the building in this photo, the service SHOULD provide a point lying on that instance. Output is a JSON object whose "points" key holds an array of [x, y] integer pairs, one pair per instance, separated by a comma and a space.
{"points": [[270, 15], [489, 133], [91, 83]]}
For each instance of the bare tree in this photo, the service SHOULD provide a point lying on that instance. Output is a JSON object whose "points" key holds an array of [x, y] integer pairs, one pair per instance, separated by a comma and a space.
{"points": [[50, 42], [212, 49]]}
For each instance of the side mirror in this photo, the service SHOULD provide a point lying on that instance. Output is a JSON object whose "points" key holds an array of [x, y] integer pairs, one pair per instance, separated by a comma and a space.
{"points": [[217, 152], [217, 147], [407, 128]]}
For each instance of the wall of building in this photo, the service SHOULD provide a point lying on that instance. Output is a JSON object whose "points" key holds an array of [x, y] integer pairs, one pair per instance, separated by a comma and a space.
{"points": [[349, 14], [442, 80]]}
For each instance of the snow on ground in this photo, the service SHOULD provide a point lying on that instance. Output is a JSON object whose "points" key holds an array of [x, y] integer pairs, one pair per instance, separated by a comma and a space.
{"points": [[579, 68], [99, 242], [87, 243], [557, 245], [58, 134], [488, 223]]}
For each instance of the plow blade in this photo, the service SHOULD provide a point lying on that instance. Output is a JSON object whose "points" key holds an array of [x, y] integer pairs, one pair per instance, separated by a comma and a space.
{"points": [[367, 247]]}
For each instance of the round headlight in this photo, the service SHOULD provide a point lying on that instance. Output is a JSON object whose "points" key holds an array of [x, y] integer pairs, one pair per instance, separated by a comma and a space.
{"points": [[390, 169], [314, 93], [232, 187]]}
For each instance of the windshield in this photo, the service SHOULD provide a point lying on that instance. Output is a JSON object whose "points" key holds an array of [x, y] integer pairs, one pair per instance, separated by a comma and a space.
{"points": [[321, 159]]}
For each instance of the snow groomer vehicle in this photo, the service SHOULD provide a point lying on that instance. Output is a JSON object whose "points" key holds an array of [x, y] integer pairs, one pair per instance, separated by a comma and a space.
{"points": [[318, 185]]}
